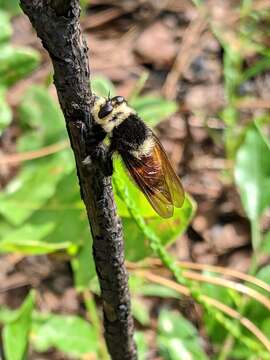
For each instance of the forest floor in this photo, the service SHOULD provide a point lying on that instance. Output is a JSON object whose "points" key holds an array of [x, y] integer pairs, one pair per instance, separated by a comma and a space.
{"points": [[174, 43]]}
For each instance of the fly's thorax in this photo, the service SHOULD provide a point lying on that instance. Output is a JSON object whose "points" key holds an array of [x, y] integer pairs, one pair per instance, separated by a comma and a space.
{"points": [[116, 115]]}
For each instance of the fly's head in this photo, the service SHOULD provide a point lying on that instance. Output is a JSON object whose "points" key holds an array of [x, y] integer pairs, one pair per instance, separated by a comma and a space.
{"points": [[110, 112]]}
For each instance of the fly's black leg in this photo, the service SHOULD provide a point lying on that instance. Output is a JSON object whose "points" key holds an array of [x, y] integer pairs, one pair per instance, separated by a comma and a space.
{"points": [[103, 157], [108, 163], [94, 137]]}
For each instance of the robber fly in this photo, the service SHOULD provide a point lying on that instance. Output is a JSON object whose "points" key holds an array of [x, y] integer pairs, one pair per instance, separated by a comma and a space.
{"points": [[141, 151]]}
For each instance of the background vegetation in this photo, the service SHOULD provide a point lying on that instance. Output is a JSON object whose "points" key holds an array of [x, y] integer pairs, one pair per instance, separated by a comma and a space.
{"points": [[205, 89]]}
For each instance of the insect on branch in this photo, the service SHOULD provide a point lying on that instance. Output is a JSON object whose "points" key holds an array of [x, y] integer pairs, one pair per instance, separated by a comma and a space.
{"points": [[57, 25]]}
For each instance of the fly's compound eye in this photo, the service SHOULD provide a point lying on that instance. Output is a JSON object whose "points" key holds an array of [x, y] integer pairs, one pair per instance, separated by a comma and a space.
{"points": [[118, 99], [105, 110]]}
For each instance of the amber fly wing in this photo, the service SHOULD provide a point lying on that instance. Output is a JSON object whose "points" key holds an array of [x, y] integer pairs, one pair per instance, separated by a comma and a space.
{"points": [[147, 172], [173, 182]]}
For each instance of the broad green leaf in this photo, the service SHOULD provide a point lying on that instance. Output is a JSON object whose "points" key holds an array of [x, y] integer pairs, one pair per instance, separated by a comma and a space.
{"points": [[5, 27], [252, 173], [136, 196], [5, 110], [28, 240], [141, 287], [34, 186], [40, 113], [140, 311], [153, 109], [66, 211], [174, 324], [168, 230], [16, 63], [136, 241], [178, 338], [157, 291], [68, 215], [7, 315], [70, 334], [102, 86], [16, 332]]}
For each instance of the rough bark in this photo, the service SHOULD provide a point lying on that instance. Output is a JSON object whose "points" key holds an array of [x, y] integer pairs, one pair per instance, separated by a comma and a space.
{"points": [[57, 25]]}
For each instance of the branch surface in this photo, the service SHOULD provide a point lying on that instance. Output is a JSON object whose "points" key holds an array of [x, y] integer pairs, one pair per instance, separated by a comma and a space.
{"points": [[57, 25]]}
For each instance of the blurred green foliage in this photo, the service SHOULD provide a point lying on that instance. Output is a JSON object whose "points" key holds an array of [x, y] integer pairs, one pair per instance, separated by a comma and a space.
{"points": [[17, 329], [178, 338], [41, 211], [247, 147]]}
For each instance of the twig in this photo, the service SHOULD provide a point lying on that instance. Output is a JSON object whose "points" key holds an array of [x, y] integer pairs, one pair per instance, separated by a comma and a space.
{"points": [[210, 301], [252, 104], [57, 24], [205, 267], [241, 288], [30, 155], [186, 53]]}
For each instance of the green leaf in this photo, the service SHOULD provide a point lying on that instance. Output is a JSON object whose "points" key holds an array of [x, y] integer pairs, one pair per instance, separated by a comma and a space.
{"points": [[5, 111], [153, 109], [128, 197], [157, 291], [34, 186], [178, 338], [140, 286], [252, 173], [7, 315], [15, 333], [16, 63], [28, 240], [5, 27], [102, 86], [173, 324], [139, 201], [168, 231], [40, 113], [70, 334]]}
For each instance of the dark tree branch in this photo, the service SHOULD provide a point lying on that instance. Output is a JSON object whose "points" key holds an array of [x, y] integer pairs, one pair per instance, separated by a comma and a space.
{"points": [[57, 25]]}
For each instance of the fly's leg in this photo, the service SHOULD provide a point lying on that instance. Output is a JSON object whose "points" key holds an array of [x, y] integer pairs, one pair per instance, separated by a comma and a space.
{"points": [[103, 158]]}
